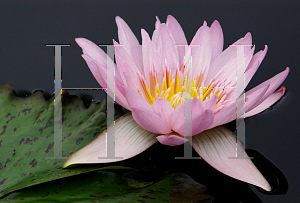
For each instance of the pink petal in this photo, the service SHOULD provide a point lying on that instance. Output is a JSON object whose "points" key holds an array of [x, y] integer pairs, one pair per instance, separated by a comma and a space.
{"points": [[267, 102], [239, 77], [134, 99], [130, 43], [130, 83], [197, 108], [150, 121], [155, 36], [163, 108], [168, 50], [104, 74], [130, 140], [254, 64], [216, 145], [250, 71], [217, 39], [210, 103], [178, 35], [252, 100], [151, 58], [200, 50], [226, 61], [273, 83], [227, 114], [96, 53], [157, 62], [125, 64], [199, 123], [201, 120], [98, 71], [95, 70], [93, 52], [157, 23], [171, 140], [147, 54], [177, 117]]}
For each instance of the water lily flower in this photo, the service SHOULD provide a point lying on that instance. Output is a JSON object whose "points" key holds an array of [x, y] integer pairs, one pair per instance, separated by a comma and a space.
{"points": [[154, 82]]}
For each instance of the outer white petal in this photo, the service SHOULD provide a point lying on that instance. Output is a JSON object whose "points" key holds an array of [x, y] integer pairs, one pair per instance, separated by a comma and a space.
{"points": [[216, 145], [130, 140]]}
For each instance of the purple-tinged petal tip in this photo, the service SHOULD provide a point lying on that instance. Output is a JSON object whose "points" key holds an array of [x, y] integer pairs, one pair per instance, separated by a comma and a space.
{"points": [[171, 140]]}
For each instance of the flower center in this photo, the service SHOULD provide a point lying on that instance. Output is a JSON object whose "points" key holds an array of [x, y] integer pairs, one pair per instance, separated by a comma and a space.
{"points": [[180, 86]]}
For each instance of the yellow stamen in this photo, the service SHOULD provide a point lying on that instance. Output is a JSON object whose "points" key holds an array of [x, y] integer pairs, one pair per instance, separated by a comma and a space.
{"points": [[180, 86]]}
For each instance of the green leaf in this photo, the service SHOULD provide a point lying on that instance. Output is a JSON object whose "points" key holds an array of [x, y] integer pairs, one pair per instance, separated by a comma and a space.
{"points": [[27, 137], [104, 186]]}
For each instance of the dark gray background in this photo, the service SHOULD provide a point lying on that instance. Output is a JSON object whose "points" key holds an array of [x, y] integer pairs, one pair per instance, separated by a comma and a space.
{"points": [[27, 64]]}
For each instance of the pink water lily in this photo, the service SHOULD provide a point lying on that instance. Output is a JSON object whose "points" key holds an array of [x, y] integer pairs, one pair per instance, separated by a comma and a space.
{"points": [[154, 82]]}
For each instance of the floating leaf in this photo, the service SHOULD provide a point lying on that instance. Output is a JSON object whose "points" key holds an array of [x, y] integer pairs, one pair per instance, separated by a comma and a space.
{"points": [[27, 137], [106, 186]]}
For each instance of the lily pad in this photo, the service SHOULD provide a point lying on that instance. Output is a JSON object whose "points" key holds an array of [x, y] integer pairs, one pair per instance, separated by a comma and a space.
{"points": [[27, 137], [106, 186]]}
